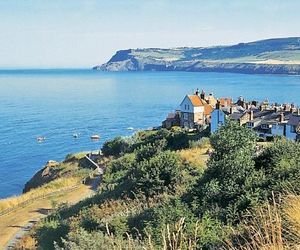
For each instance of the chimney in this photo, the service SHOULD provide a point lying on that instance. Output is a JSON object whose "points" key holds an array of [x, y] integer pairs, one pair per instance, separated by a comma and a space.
{"points": [[197, 92], [298, 113], [202, 95], [251, 115], [276, 109], [281, 117], [230, 110], [261, 107], [218, 105], [254, 103]]}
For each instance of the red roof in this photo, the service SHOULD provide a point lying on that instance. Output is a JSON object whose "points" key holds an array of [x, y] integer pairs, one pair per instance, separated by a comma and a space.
{"points": [[196, 100]]}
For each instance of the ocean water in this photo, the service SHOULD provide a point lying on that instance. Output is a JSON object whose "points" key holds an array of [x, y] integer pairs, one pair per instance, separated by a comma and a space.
{"points": [[58, 103]]}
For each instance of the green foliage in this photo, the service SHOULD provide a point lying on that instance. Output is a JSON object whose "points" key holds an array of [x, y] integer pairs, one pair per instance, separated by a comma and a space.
{"points": [[147, 189], [83, 240], [50, 230], [202, 143], [281, 163], [115, 147], [145, 152], [155, 221], [117, 170], [158, 174], [229, 184]]}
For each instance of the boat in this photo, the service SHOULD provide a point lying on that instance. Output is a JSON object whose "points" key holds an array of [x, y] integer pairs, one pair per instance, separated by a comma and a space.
{"points": [[95, 137], [75, 135], [41, 138], [130, 128]]}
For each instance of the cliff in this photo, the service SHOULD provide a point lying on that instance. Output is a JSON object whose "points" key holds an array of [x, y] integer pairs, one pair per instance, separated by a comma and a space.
{"points": [[272, 56]]}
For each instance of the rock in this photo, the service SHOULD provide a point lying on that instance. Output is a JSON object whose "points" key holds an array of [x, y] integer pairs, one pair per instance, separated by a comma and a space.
{"points": [[43, 176]]}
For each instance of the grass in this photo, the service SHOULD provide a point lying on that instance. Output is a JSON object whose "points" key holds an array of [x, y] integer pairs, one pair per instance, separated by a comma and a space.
{"points": [[292, 212], [46, 189], [195, 156], [11, 223]]}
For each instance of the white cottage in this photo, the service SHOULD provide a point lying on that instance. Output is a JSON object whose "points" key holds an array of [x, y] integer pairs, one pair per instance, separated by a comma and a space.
{"points": [[192, 111]]}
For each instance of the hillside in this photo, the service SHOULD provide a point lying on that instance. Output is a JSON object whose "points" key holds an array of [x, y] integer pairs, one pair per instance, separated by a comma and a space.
{"points": [[162, 190], [272, 56]]}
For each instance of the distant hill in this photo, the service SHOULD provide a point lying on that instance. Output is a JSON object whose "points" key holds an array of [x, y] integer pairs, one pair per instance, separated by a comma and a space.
{"points": [[271, 56]]}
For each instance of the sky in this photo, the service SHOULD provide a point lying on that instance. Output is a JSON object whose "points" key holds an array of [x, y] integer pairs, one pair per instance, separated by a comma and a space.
{"points": [[84, 33]]}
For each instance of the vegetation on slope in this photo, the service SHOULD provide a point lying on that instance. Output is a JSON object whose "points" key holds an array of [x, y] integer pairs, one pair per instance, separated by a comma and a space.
{"points": [[278, 56], [68, 174], [154, 195]]}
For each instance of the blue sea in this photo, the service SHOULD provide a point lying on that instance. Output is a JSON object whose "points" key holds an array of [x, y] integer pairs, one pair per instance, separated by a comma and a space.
{"points": [[58, 103]]}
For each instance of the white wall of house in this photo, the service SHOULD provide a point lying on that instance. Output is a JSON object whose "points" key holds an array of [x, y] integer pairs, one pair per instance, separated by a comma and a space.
{"points": [[186, 106], [290, 132], [199, 109], [217, 120]]}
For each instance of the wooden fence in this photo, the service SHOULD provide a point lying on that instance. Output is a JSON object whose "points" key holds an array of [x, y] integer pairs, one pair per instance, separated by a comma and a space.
{"points": [[31, 200]]}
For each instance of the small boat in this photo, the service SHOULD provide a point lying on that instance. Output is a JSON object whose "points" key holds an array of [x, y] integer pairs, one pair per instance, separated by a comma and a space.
{"points": [[75, 135], [130, 128], [95, 137], [41, 138]]}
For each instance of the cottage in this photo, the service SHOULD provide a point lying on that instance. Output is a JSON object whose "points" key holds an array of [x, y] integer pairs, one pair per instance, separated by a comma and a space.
{"points": [[192, 111], [218, 118], [293, 127]]}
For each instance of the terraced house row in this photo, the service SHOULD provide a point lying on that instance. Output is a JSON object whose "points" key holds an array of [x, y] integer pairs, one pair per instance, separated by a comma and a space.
{"points": [[200, 111]]}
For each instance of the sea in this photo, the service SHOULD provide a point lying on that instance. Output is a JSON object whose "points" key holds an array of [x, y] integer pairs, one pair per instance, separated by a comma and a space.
{"points": [[58, 103]]}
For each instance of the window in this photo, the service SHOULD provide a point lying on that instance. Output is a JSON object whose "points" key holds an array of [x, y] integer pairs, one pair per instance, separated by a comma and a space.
{"points": [[293, 129], [185, 116], [265, 126], [250, 124]]}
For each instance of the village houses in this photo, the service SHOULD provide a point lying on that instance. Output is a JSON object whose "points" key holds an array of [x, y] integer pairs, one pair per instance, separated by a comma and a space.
{"points": [[200, 111]]}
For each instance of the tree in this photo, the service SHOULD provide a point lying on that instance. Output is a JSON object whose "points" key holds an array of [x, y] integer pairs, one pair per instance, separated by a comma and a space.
{"points": [[115, 147], [281, 163], [229, 185], [160, 173]]}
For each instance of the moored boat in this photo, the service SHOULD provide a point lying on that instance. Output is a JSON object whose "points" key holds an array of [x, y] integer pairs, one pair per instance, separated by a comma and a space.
{"points": [[95, 137]]}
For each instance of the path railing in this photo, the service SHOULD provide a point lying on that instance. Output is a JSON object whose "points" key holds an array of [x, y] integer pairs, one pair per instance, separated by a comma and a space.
{"points": [[40, 197]]}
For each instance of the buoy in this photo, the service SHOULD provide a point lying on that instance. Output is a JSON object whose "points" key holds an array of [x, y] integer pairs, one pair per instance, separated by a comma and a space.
{"points": [[41, 138]]}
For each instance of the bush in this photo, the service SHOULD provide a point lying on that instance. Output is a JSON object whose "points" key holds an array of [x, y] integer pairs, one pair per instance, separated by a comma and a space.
{"points": [[83, 240], [156, 220], [117, 170], [281, 164], [115, 147], [145, 152], [50, 231], [230, 184], [158, 174]]}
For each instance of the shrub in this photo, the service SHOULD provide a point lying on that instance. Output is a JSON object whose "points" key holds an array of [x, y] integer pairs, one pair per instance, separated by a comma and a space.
{"points": [[115, 147], [204, 142], [230, 184], [155, 220], [116, 171], [145, 152], [49, 231], [281, 164], [158, 174]]}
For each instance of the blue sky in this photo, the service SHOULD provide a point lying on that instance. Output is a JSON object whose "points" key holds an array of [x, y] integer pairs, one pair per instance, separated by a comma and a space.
{"points": [[82, 33]]}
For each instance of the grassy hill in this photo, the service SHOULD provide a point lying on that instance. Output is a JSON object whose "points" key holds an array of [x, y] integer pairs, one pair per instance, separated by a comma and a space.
{"points": [[161, 190], [277, 56]]}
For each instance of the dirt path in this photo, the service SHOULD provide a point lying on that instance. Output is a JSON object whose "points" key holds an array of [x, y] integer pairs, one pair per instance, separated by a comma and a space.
{"points": [[17, 223]]}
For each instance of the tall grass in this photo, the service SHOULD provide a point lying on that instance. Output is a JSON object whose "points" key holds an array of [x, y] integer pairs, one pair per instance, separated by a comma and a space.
{"points": [[268, 228], [56, 185]]}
